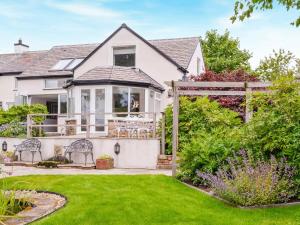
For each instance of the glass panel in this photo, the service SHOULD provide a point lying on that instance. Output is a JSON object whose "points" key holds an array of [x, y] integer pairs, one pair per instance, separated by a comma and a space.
{"points": [[55, 83], [63, 103], [137, 100], [157, 102], [85, 107], [50, 83], [120, 100], [74, 63], [151, 101], [100, 109], [124, 56], [61, 64]]}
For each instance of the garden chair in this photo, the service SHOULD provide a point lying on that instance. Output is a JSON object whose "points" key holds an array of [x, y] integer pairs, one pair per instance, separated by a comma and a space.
{"points": [[83, 146], [32, 145]]}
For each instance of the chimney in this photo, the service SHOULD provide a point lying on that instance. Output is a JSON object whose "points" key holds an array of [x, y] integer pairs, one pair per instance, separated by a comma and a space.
{"points": [[20, 47]]}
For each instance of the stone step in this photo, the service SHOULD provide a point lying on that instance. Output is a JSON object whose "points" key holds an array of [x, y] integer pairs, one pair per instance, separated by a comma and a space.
{"points": [[164, 167]]}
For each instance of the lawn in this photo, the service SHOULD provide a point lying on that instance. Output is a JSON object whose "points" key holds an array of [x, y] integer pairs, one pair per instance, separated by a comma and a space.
{"points": [[144, 199]]}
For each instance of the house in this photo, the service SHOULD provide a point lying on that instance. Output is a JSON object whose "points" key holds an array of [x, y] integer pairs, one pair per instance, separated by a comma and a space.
{"points": [[123, 74]]}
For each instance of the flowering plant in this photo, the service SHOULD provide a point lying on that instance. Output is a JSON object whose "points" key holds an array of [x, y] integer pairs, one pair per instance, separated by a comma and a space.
{"points": [[246, 183]]}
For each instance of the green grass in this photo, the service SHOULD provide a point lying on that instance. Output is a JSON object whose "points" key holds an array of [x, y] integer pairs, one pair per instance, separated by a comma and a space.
{"points": [[144, 199]]}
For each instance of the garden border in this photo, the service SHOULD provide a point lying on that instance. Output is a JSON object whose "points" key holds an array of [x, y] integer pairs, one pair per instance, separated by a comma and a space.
{"points": [[276, 205], [34, 219]]}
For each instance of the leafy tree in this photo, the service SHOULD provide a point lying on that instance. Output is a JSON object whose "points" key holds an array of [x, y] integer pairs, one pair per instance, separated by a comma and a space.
{"points": [[244, 8], [280, 63], [223, 53]]}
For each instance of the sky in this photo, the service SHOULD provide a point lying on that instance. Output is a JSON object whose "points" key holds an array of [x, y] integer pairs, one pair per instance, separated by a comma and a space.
{"points": [[45, 23]]}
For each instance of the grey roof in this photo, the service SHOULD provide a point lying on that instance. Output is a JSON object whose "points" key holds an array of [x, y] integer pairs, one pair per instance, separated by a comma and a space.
{"points": [[118, 74], [43, 66], [17, 63], [38, 64], [180, 50]]}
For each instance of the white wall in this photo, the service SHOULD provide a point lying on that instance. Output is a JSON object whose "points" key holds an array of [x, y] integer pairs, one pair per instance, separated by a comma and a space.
{"points": [[147, 59], [7, 94], [131, 154], [192, 68], [36, 87]]}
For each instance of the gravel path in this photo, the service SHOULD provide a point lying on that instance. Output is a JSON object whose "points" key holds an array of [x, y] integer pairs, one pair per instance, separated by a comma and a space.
{"points": [[23, 171]]}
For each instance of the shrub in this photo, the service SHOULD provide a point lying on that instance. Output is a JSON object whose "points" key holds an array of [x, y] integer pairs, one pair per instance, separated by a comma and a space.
{"points": [[234, 103], [206, 151], [13, 120], [60, 159], [13, 129], [275, 128], [198, 115], [48, 164], [247, 183]]}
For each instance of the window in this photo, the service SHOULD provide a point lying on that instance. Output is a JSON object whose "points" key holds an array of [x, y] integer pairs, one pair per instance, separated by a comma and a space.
{"points": [[120, 99], [100, 109], [62, 64], [66, 64], [137, 100], [55, 83], [199, 66], [151, 101], [16, 83], [85, 107], [157, 102], [63, 103], [128, 100], [1, 105], [73, 64], [124, 56]]}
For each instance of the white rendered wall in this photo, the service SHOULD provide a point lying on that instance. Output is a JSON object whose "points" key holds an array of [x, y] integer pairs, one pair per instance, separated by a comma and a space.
{"points": [[134, 153], [36, 87], [7, 86], [192, 68], [147, 59]]}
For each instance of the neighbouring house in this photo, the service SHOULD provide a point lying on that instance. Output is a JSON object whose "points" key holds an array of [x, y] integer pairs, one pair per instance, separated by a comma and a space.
{"points": [[123, 74]]}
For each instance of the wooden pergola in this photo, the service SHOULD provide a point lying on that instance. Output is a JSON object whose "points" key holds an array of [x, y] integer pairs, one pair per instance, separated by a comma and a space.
{"points": [[190, 88]]}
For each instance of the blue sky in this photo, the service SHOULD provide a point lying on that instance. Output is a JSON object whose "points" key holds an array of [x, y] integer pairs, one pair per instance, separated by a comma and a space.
{"points": [[44, 23]]}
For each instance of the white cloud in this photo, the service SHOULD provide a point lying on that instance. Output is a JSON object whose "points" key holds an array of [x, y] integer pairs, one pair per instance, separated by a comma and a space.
{"points": [[86, 10], [11, 12], [225, 21]]}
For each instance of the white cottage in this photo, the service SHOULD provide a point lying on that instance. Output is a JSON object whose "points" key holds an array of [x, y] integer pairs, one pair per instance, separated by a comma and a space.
{"points": [[121, 78]]}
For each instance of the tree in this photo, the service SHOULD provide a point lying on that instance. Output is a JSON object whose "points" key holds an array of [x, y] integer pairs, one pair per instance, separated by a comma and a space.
{"points": [[223, 53], [243, 9], [281, 63]]}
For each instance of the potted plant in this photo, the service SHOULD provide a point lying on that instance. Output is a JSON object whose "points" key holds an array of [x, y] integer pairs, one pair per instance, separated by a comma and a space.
{"points": [[8, 157], [104, 162]]}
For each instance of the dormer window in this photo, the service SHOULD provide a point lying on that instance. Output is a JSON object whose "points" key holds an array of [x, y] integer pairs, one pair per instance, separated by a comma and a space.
{"points": [[124, 56], [66, 64]]}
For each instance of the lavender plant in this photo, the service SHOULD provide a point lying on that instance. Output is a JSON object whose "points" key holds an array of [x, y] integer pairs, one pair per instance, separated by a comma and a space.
{"points": [[247, 183]]}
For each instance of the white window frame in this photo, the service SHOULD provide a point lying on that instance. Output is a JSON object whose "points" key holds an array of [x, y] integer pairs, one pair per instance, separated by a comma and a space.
{"points": [[129, 94], [124, 47]]}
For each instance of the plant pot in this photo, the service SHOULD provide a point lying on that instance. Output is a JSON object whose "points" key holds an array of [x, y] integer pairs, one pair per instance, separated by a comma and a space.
{"points": [[104, 164]]}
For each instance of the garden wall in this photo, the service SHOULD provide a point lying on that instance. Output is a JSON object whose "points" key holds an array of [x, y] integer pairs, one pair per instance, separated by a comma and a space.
{"points": [[134, 153]]}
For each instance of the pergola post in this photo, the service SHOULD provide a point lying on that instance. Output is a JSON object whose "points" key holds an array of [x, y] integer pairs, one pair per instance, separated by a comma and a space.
{"points": [[248, 110], [175, 128]]}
